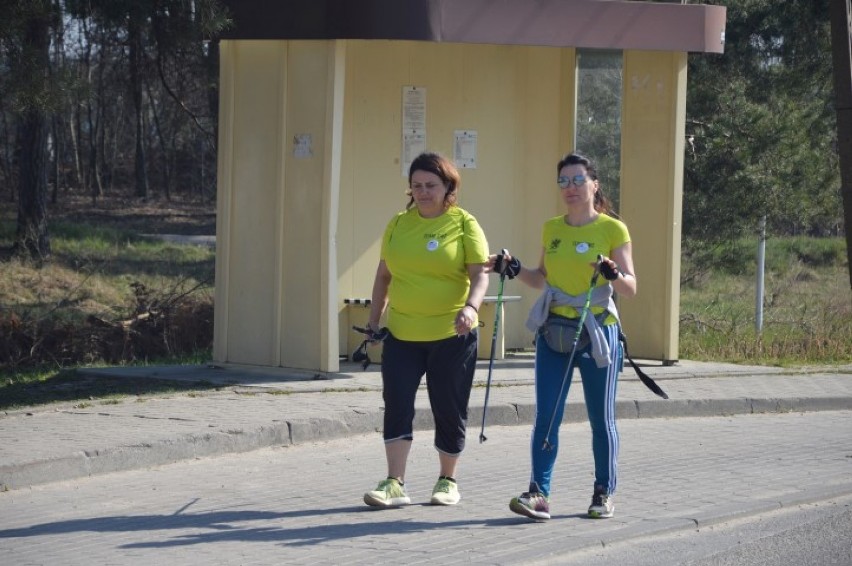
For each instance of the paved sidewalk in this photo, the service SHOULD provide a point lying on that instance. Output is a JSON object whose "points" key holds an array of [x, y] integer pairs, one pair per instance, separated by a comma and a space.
{"points": [[257, 408]]}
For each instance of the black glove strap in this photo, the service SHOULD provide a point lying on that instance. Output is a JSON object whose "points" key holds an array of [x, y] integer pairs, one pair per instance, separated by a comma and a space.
{"points": [[643, 377], [609, 273]]}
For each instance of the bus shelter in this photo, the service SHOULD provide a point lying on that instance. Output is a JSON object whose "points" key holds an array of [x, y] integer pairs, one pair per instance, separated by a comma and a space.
{"points": [[324, 103]]}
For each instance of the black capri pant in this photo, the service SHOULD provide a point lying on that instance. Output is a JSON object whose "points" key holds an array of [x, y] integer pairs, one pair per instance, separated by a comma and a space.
{"points": [[449, 366]]}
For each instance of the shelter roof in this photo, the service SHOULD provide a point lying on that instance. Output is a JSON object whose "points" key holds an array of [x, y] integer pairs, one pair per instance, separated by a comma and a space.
{"points": [[601, 24]]}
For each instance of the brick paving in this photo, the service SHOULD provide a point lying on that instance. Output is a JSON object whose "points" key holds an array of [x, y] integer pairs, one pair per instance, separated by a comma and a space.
{"points": [[301, 504], [272, 467], [271, 409]]}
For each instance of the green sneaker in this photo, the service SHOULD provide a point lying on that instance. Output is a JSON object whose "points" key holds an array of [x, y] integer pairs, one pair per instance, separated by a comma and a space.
{"points": [[446, 492], [389, 493]]}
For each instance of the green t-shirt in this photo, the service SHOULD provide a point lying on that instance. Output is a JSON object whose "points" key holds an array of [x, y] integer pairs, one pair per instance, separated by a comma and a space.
{"points": [[427, 259], [570, 251]]}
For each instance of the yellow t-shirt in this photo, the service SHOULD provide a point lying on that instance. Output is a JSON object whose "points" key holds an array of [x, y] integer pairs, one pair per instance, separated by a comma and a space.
{"points": [[427, 259], [570, 251]]}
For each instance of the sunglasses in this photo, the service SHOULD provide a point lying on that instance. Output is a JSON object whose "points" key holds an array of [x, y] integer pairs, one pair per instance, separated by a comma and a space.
{"points": [[565, 182]]}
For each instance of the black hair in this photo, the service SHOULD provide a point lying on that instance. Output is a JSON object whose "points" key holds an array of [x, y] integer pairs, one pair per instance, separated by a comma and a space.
{"points": [[601, 202]]}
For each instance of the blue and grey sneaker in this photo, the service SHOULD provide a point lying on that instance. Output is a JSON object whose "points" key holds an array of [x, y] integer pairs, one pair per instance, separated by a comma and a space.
{"points": [[532, 504], [602, 506]]}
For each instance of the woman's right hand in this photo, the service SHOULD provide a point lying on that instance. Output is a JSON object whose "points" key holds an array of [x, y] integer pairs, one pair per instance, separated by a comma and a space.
{"points": [[491, 264], [503, 264], [376, 334]]}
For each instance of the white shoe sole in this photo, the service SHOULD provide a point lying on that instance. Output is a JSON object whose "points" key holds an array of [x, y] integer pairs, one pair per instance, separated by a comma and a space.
{"points": [[594, 514], [516, 507], [374, 501], [444, 499]]}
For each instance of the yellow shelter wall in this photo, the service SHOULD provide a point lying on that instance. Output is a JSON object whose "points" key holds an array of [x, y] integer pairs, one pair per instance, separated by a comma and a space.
{"points": [[652, 196], [519, 100], [310, 201], [298, 232], [277, 203], [252, 112]]}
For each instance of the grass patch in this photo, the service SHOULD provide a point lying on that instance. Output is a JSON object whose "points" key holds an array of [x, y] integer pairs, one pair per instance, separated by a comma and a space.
{"points": [[807, 307], [93, 270], [111, 297], [106, 296]]}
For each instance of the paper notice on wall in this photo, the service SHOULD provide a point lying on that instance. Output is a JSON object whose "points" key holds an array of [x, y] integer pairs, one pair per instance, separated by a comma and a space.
{"points": [[413, 108], [303, 146], [413, 125], [413, 144], [464, 149]]}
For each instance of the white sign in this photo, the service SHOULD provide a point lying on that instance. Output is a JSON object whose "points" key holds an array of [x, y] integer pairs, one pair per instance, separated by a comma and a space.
{"points": [[464, 149], [413, 125], [302, 146], [413, 108], [413, 144]]}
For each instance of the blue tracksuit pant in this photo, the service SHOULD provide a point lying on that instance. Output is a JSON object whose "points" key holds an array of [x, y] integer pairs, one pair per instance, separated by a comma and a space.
{"points": [[599, 388]]}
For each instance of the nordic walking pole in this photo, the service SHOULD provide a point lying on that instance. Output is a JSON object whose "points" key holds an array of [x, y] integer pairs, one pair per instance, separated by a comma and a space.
{"points": [[547, 445], [503, 253]]}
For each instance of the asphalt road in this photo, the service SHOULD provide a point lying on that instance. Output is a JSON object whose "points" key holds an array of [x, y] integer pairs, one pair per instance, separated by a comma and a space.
{"points": [[802, 535]]}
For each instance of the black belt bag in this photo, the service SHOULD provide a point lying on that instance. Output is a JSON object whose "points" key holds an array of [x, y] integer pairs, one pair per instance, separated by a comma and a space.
{"points": [[560, 331]]}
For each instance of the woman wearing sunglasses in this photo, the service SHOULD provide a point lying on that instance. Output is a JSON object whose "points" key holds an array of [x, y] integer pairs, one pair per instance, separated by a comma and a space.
{"points": [[586, 241], [432, 280]]}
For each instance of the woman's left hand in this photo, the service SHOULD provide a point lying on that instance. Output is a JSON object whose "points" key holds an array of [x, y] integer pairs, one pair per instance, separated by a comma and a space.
{"points": [[466, 319]]}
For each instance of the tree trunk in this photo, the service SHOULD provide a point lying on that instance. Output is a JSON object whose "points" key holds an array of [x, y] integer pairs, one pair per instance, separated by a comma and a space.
{"points": [[166, 179], [6, 151], [212, 70], [31, 239], [57, 159], [74, 134], [136, 54], [94, 126], [841, 39]]}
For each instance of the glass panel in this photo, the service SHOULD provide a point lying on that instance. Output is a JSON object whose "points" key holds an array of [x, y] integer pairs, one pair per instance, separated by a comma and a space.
{"points": [[599, 80]]}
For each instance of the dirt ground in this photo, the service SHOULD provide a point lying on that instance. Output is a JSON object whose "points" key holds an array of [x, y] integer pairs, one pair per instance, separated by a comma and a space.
{"points": [[180, 215], [160, 323]]}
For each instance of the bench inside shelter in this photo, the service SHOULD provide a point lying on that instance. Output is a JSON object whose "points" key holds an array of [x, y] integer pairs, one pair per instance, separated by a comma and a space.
{"points": [[358, 313]]}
